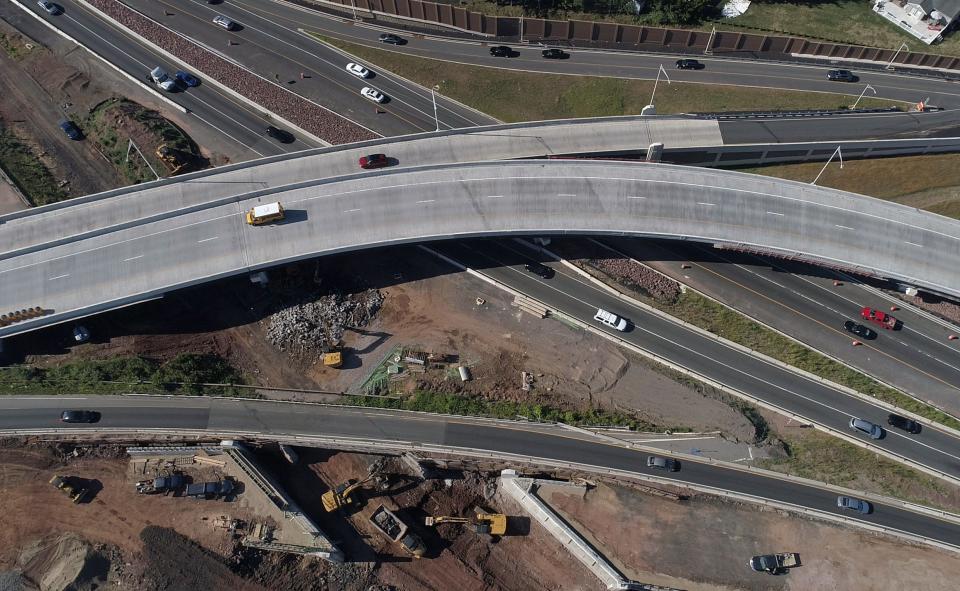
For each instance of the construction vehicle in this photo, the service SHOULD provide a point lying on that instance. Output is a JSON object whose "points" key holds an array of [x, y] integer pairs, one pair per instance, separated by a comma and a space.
{"points": [[175, 160], [210, 490], [76, 493], [333, 358], [264, 214], [340, 497], [775, 564], [387, 523], [491, 524], [162, 484]]}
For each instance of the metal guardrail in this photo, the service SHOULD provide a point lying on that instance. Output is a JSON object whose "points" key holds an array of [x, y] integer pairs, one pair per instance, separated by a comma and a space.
{"points": [[732, 115]]}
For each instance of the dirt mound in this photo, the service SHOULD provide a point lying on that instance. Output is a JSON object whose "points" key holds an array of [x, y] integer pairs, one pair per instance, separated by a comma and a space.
{"points": [[65, 562], [308, 326], [171, 562]]}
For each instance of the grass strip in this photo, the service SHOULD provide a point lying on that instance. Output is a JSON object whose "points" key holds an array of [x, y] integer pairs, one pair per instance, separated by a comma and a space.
{"points": [[184, 374], [475, 406], [513, 96], [27, 171]]}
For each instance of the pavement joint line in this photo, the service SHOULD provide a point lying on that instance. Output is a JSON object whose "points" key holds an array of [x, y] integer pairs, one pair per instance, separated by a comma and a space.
{"points": [[109, 64], [876, 401], [207, 77], [734, 391], [381, 445]]}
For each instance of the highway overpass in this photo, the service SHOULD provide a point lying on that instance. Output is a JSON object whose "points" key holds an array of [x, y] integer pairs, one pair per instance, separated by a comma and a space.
{"points": [[384, 430], [49, 260]]}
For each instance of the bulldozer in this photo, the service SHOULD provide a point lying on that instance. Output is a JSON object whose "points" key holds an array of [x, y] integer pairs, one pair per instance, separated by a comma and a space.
{"points": [[333, 355], [491, 524], [76, 493], [175, 160]]}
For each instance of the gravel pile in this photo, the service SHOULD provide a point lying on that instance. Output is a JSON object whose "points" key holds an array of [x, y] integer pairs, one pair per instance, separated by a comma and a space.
{"points": [[313, 118], [944, 308], [639, 278], [306, 328]]}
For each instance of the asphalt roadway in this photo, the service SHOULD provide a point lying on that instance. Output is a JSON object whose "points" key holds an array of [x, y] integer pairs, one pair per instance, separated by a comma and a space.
{"points": [[577, 297], [805, 303], [209, 106], [236, 417]]}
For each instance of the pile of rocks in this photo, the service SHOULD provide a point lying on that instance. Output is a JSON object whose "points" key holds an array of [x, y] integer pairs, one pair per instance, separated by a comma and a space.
{"points": [[639, 277], [312, 117], [306, 328]]}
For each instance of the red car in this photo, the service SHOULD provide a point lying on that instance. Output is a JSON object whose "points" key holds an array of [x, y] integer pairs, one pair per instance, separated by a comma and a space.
{"points": [[882, 318], [374, 161]]}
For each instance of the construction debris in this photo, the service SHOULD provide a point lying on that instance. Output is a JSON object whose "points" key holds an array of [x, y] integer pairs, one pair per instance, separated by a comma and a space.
{"points": [[309, 327]]}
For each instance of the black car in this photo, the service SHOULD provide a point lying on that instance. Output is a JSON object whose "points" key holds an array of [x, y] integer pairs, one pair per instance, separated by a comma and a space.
{"points": [[281, 135], [539, 269], [554, 54], [392, 39], [860, 330], [79, 416], [842, 76], [688, 64], [70, 128], [501, 51], [662, 463], [908, 425]]}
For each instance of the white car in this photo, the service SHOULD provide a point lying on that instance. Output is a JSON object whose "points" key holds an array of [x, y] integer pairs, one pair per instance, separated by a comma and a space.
{"points": [[373, 94], [224, 22], [50, 7], [163, 80], [358, 70], [610, 319]]}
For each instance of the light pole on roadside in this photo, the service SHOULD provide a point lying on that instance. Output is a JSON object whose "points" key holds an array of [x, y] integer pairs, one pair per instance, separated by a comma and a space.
{"points": [[835, 153], [657, 81], [353, 6], [903, 46], [433, 95], [865, 89]]}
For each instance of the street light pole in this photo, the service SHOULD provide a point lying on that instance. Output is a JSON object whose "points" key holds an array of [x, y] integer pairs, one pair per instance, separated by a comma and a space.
{"points": [[657, 81], [865, 89], [903, 46], [835, 153], [433, 95]]}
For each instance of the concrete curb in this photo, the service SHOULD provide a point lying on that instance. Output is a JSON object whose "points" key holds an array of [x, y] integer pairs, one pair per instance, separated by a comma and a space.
{"points": [[110, 64], [207, 78], [866, 397], [379, 446], [738, 393]]}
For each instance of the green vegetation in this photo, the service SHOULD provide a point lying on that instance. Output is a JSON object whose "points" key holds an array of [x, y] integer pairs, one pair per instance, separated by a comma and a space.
{"points": [[185, 374], [523, 96], [818, 456], [13, 47], [926, 182], [732, 325], [475, 406], [26, 170]]}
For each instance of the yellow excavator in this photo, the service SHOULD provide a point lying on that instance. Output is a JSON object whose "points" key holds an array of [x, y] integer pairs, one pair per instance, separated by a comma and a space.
{"points": [[340, 496], [493, 524]]}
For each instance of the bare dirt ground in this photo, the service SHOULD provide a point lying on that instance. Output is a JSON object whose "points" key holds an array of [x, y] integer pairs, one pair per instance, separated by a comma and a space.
{"points": [[704, 545], [426, 306]]}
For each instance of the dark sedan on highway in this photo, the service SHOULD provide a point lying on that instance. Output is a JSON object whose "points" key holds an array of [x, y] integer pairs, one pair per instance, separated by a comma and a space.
{"points": [[908, 425], [539, 269], [661, 463], [501, 51], [392, 39], [554, 54], [688, 64], [842, 76], [79, 416], [374, 161], [860, 330], [70, 128]]}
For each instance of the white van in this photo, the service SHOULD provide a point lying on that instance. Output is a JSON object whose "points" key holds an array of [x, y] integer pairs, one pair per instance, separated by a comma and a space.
{"points": [[610, 319]]}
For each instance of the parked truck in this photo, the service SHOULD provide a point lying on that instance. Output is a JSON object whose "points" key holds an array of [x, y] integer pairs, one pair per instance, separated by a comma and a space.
{"points": [[75, 492], [210, 490], [775, 563], [387, 523], [161, 485]]}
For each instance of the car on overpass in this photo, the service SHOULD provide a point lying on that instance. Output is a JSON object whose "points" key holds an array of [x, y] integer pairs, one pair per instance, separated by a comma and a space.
{"points": [[501, 51], [554, 54], [79, 416], [374, 161]]}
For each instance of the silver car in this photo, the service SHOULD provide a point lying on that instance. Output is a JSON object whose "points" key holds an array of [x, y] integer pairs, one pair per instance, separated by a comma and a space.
{"points": [[867, 428], [852, 504], [224, 22]]}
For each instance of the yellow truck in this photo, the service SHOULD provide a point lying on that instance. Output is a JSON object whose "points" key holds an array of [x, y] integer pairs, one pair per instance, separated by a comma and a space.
{"points": [[264, 214]]}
